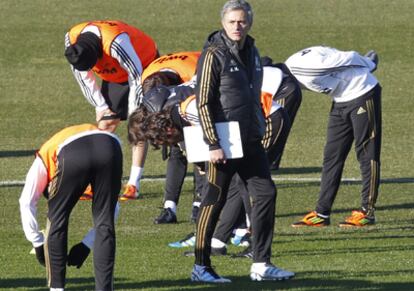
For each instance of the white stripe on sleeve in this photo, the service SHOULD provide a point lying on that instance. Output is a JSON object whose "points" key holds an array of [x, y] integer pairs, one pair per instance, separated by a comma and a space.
{"points": [[90, 89], [124, 52]]}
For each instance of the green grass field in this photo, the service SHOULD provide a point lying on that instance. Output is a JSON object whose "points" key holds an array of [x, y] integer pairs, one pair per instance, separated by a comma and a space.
{"points": [[39, 96]]}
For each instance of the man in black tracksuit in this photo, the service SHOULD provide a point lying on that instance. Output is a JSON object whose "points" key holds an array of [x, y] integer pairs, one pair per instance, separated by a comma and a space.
{"points": [[278, 125], [177, 104], [229, 79]]}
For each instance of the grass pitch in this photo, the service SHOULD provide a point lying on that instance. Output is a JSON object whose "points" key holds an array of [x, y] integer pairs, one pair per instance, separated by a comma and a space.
{"points": [[39, 96]]}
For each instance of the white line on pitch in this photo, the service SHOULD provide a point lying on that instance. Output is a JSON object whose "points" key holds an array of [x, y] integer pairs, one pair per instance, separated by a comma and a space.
{"points": [[278, 179]]}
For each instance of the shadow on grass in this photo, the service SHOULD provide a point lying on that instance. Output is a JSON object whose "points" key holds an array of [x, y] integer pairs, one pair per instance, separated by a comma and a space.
{"points": [[347, 250], [301, 184], [407, 206], [13, 154], [369, 234], [239, 283], [302, 170]]}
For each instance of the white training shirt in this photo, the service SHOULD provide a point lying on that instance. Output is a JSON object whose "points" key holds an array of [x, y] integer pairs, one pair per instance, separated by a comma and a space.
{"points": [[123, 51], [343, 75], [272, 79]]}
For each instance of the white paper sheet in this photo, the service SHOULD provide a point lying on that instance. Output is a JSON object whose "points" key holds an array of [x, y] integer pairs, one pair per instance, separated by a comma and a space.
{"points": [[230, 141]]}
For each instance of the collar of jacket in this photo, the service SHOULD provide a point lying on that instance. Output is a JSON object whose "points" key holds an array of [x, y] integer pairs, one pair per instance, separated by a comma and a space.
{"points": [[220, 37], [233, 45]]}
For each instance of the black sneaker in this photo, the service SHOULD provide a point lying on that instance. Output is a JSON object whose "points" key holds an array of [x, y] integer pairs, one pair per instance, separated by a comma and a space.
{"points": [[189, 254], [219, 251], [246, 253], [166, 216], [194, 214]]}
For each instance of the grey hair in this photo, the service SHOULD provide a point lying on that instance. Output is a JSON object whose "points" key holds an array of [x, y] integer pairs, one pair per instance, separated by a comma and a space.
{"points": [[238, 5]]}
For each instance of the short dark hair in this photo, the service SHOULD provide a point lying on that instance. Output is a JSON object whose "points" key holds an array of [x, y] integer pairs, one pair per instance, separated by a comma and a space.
{"points": [[156, 79], [238, 5]]}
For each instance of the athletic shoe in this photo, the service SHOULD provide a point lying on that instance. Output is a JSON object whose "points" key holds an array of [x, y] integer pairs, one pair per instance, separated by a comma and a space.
{"points": [[219, 251], [87, 194], [86, 197], [207, 275], [246, 253], [245, 241], [358, 218], [194, 214], [312, 219], [188, 241], [241, 241], [189, 254], [130, 193], [166, 216], [269, 272]]}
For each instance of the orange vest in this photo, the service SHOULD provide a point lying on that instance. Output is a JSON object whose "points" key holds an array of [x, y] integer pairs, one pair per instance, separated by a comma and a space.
{"points": [[184, 64], [184, 104], [48, 151], [108, 68], [266, 99]]}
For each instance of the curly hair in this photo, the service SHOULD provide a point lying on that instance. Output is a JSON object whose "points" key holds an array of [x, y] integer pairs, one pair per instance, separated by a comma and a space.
{"points": [[155, 127], [137, 125], [160, 129]]}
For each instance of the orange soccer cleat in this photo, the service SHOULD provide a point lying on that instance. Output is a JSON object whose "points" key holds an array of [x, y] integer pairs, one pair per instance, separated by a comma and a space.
{"points": [[312, 219], [358, 218], [87, 194], [130, 193]]}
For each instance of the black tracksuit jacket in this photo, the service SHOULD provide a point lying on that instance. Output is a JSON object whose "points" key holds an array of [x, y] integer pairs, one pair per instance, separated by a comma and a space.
{"points": [[230, 90]]}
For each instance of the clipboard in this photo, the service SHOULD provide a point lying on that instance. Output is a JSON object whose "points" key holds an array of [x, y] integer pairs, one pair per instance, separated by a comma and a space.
{"points": [[230, 141]]}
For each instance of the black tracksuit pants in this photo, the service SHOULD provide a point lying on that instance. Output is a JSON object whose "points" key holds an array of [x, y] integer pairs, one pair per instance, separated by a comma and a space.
{"points": [[235, 211], [358, 120], [176, 172], [253, 169], [238, 201], [94, 159], [289, 96]]}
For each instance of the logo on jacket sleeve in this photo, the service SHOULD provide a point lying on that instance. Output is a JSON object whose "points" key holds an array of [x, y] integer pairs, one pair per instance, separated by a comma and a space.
{"points": [[361, 110], [106, 71], [233, 66], [258, 64]]}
